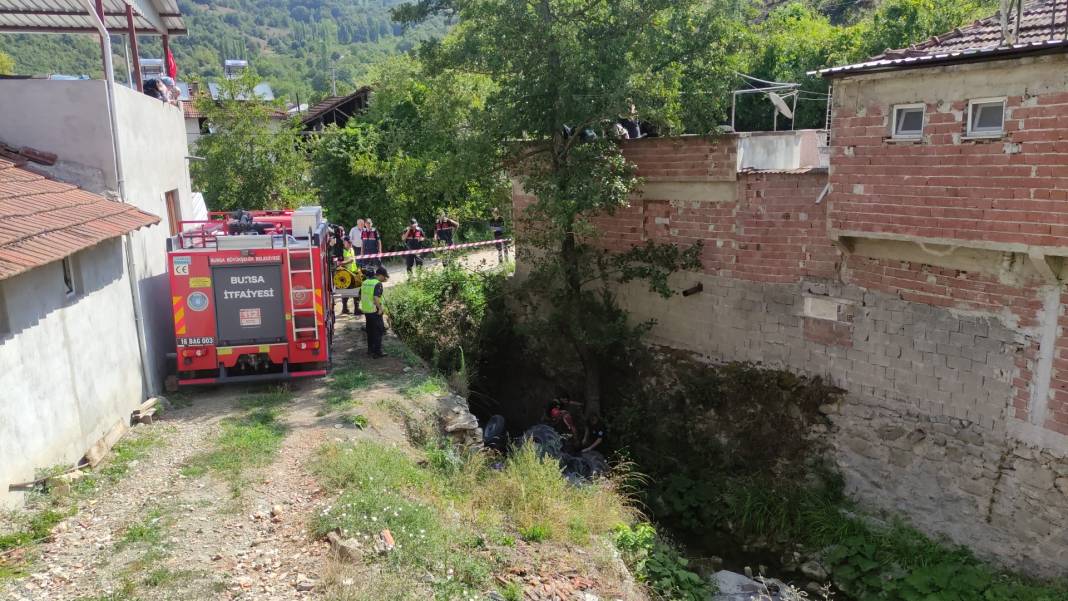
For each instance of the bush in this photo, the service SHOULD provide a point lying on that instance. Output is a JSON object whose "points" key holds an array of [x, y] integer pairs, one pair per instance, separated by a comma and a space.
{"points": [[441, 313], [656, 563]]}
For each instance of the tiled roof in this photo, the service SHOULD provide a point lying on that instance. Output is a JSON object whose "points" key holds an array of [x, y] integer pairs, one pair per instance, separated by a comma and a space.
{"points": [[1042, 28], [42, 220]]}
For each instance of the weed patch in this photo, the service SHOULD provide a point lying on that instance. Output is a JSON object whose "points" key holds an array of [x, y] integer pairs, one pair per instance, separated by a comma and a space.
{"points": [[246, 443], [126, 451], [425, 386], [348, 379], [449, 513], [271, 399]]}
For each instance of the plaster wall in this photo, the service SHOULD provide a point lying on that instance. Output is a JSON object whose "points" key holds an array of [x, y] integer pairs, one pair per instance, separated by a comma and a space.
{"points": [[71, 365], [70, 119]]}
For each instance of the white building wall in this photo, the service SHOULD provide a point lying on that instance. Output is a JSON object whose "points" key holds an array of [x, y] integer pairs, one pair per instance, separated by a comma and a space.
{"points": [[71, 367], [69, 118]]}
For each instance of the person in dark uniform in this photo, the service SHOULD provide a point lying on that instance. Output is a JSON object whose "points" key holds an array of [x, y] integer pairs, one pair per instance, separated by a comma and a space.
{"points": [[595, 435], [497, 226], [413, 238], [373, 312], [372, 244], [444, 229]]}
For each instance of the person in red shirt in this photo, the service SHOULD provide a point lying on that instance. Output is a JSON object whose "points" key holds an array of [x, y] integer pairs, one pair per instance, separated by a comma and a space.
{"points": [[413, 238]]}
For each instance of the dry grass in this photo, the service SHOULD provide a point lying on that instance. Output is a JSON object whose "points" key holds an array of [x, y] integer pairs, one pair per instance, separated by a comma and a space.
{"points": [[535, 498], [457, 520]]}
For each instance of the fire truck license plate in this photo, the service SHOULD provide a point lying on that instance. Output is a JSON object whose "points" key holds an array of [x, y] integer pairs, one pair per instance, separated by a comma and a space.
{"points": [[251, 318]]}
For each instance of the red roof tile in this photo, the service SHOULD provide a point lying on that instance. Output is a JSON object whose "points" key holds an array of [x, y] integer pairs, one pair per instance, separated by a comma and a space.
{"points": [[42, 220], [1043, 27]]}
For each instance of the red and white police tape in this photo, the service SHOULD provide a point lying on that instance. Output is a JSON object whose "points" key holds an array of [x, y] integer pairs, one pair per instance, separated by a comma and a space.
{"points": [[423, 251]]}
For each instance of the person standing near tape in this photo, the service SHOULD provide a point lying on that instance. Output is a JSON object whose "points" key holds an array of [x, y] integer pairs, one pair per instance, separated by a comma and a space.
{"points": [[497, 226], [443, 230], [371, 306], [372, 244], [413, 240]]}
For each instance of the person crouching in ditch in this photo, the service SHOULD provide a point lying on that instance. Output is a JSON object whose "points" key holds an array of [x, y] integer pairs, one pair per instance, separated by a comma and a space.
{"points": [[371, 307]]}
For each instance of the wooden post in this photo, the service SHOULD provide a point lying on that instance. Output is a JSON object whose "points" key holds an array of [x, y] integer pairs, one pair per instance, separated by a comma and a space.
{"points": [[166, 52], [133, 48]]}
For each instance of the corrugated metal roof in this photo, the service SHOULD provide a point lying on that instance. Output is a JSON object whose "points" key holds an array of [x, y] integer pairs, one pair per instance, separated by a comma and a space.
{"points": [[70, 16], [330, 103], [42, 220], [1043, 28]]}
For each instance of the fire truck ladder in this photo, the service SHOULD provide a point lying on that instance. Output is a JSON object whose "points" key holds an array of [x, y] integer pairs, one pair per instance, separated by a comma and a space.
{"points": [[302, 252]]}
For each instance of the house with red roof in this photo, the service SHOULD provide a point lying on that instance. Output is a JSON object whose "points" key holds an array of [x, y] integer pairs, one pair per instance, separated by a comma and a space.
{"points": [[94, 177]]}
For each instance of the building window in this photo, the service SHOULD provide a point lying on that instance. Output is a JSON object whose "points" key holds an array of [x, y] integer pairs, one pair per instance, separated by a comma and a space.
{"points": [[174, 211], [986, 117], [69, 286], [908, 121]]}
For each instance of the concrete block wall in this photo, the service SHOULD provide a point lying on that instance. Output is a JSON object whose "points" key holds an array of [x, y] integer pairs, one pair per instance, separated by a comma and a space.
{"points": [[951, 357]]}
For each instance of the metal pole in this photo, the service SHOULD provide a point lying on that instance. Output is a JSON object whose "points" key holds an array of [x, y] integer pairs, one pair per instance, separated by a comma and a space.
{"points": [[793, 120], [734, 103], [131, 266], [132, 29], [166, 53]]}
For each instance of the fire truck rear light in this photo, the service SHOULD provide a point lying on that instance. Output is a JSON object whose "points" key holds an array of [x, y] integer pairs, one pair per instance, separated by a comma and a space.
{"points": [[315, 345], [187, 353], [303, 346], [200, 352]]}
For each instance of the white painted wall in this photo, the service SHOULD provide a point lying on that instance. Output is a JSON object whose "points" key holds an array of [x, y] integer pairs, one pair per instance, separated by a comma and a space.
{"points": [[69, 118], [781, 149], [154, 150], [71, 368]]}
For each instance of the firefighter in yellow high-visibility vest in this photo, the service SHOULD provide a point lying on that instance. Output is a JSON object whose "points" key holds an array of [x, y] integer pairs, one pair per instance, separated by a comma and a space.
{"points": [[371, 307], [348, 262]]}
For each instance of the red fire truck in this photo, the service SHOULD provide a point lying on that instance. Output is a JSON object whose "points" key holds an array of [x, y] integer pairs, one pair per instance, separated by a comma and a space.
{"points": [[251, 295]]}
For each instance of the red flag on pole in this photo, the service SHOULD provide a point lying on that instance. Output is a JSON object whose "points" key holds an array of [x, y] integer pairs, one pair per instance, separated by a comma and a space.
{"points": [[172, 66]]}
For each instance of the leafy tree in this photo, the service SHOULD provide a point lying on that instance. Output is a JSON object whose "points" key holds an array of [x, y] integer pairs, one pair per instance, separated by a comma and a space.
{"points": [[412, 154], [580, 64], [250, 160], [7, 64]]}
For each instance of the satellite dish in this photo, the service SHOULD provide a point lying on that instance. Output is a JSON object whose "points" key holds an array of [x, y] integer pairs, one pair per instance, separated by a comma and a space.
{"points": [[781, 105]]}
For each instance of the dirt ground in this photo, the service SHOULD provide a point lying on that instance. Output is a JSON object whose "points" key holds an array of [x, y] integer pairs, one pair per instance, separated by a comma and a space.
{"points": [[202, 543], [211, 545]]}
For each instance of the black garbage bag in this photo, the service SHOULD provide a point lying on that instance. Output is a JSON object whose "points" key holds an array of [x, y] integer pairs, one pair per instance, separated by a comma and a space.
{"points": [[545, 439], [495, 434], [596, 462]]}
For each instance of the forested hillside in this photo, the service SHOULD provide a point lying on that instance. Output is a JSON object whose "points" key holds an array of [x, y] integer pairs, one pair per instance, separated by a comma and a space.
{"points": [[294, 44]]}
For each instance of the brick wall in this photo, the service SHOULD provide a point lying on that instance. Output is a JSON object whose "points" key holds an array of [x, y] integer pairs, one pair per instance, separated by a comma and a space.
{"points": [[940, 351], [1009, 190]]}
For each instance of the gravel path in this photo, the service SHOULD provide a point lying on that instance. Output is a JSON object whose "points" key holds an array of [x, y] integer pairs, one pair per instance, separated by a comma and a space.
{"points": [[199, 542]]}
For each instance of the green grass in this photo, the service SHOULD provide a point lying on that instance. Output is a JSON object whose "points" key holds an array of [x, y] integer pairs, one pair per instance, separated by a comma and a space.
{"points": [[150, 531], [357, 421], [452, 515], [536, 533], [160, 577], [271, 399], [425, 386], [246, 443], [126, 451], [348, 379]]}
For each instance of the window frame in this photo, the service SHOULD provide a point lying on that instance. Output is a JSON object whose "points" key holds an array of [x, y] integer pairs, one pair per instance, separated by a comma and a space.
{"points": [[908, 106], [971, 132], [70, 283]]}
